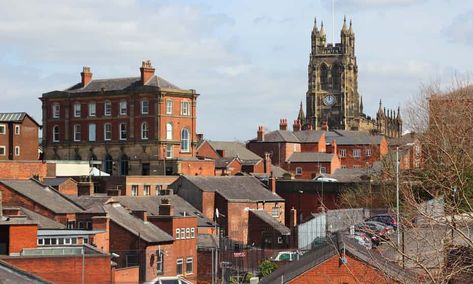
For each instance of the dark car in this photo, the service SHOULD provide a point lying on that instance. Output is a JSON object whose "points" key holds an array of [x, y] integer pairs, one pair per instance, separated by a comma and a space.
{"points": [[387, 219], [377, 231]]}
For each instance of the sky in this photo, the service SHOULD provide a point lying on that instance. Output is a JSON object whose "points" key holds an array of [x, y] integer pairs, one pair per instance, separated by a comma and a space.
{"points": [[247, 59]]}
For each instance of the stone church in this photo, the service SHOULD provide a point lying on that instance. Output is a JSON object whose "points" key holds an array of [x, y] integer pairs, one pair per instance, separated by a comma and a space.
{"points": [[332, 99]]}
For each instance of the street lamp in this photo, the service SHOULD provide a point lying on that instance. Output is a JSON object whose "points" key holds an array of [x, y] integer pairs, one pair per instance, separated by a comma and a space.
{"points": [[300, 192]]}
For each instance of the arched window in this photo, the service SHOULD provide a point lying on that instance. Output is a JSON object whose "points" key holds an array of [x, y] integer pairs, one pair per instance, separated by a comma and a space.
{"points": [[185, 141], [337, 76], [144, 131], [169, 131], [56, 133], [124, 165], [324, 77], [108, 164]]}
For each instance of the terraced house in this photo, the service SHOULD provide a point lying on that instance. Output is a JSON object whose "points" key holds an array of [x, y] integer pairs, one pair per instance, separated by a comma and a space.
{"points": [[137, 125]]}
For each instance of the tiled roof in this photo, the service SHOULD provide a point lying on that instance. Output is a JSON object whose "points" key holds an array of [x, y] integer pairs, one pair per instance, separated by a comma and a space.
{"points": [[42, 221], [273, 222], [233, 188], [120, 84], [136, 226], [43, 195], [234, 149], [281, 136], [309, 136], [55, 181], [277, 171], [310, 157], [356, 139], [331, 248], [15, 117], [223, 163], [207, 241]]}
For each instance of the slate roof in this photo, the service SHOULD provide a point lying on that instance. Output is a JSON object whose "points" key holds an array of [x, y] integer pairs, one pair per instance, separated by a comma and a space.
{"points": [[273, 222], [42, 221], [120, 84], [151, 205], [91, 204], [234, 188], [136, 226], [365, 139], [280, 136], [330, 249], [206, 241], [10, 274], [43, 195], [223, 163], [55, 181], [310, 157], [309, 136], [15, 117], [235, 149]]}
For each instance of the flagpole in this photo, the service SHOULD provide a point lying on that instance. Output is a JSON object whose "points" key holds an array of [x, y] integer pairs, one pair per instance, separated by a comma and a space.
{"points": [[333, 22]]}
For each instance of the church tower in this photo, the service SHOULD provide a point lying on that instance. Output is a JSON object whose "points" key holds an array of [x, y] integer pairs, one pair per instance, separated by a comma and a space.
{"points": [[332, 95]]}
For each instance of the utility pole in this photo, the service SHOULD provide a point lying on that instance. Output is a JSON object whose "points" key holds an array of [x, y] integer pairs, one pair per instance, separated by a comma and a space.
{"points": [[397, 199]]}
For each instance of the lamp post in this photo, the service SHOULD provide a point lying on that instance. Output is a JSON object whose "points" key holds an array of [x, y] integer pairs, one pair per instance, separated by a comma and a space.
{"points": [[299, 192], [397, 198]]}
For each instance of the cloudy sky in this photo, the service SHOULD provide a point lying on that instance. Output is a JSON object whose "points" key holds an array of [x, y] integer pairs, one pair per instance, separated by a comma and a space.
{"points": [[248, 59]]}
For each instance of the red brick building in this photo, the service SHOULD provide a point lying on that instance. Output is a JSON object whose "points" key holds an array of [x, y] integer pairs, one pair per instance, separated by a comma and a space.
{"points": [[137, 125], [239, 200], [26, 169], [18, 137], [341, 260], [308, 165]]}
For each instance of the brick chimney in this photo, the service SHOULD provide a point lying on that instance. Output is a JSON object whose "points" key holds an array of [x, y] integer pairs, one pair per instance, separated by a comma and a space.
{"points": [[272, 184], [334, 146], [267, 163], [86, 76], [325, 126], [283, 124], [297, 125], [140, 214], [165, 208], [260, 134], [147, 71]]}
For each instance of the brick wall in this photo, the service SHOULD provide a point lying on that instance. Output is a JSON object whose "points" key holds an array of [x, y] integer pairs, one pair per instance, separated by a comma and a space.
{"points": [[205, 150], [22, 169], [128, 275], [354, 272], [26, 140], [68, 187], [65, 270], [22, 236], [196, 168], [279, 151]]}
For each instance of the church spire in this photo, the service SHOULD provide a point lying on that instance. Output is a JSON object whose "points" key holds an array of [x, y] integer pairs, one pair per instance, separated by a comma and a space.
{"points": [[351, 28], [301, 115], [322, 30], [315, 29], [344, 28], [361, 105]]}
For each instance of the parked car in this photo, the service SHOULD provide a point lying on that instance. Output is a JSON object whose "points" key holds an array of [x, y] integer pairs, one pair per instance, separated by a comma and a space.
{"points": [[285, 256], [323, 178], [377, 231], [387, 219], [362, 239], [169, 280]]}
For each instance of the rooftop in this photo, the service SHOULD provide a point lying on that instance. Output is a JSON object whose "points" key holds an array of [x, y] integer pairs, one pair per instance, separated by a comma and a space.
{"points": [[310, 157], [234, 149]]}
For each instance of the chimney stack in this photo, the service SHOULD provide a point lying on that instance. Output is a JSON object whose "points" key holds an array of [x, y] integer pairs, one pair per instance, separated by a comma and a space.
{"points": [[140, 214], [86, 76], [297, 125], [147, 71], [267, 163], [283, 124], [272, 184], [260, 134], [165, 208]]}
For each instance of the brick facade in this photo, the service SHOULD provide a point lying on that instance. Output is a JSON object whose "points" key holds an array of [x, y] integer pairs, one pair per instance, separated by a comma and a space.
{"points": [[19, 138], [117, 103], [24, 169], [22, 236]]}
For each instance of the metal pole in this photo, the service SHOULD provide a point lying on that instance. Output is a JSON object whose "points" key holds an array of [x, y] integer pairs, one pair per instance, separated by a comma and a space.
{"points": [[397, 198], [213, 274], [83, 264]]}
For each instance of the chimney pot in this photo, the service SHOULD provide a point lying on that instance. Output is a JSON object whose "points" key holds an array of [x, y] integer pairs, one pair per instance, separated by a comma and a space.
{"points": [[86, 76], [260, 134], [147, 71]]}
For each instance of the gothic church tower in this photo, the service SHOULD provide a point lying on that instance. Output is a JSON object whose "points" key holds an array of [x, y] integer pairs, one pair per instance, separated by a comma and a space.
{"points": [[332, 96]]}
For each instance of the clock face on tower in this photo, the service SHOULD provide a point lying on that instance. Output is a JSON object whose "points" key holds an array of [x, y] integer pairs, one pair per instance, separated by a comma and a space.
{"points": [[329, 100]]}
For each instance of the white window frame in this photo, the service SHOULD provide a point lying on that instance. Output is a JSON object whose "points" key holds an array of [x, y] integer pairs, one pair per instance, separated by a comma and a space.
{"points": [[92, 132], [77, 134], [146, 190], [180, 262], [56, 110], [123, 131], [109, 132], [107, 108], [123, 108], [185, 142], [192, 233], [356, 153], [185, 106], [188, 233], [77, 109], [368, 152], [169, 151], [144, 131], [159, 262], [4, 151], [190, 261], [144, 106], [17, 129], [169, 131], [3, 129], [298, 171], [275, 212], [183, 233], [178, 234], [17, 150], [134, 190], [92, 109], [342, 153], [169, 106]]}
